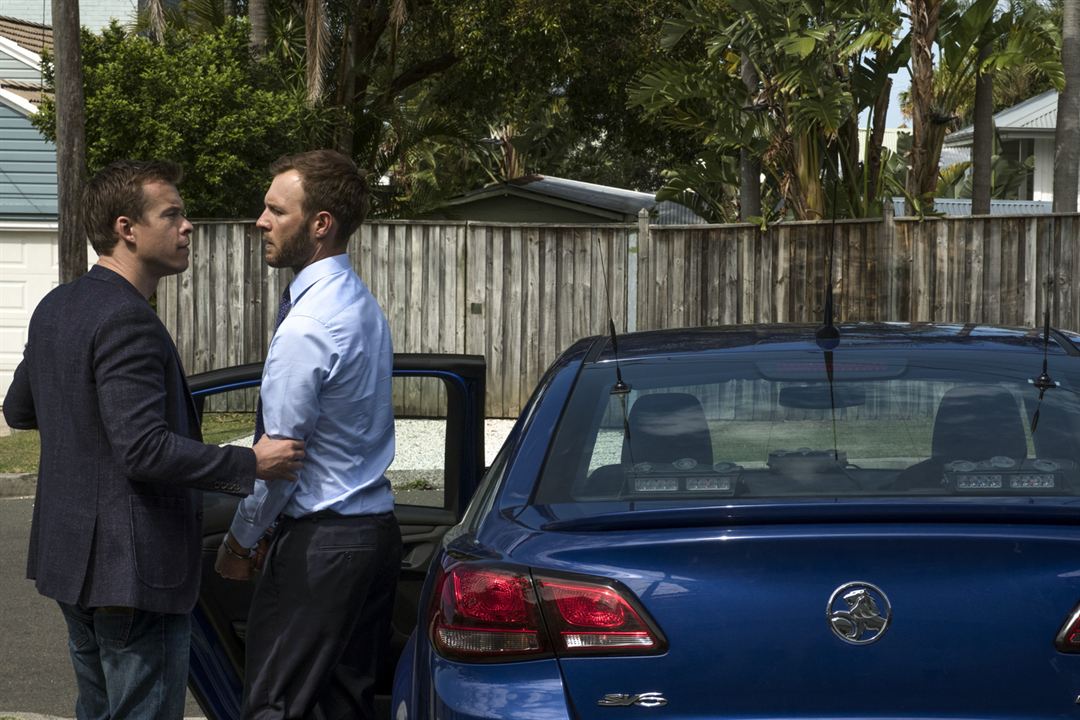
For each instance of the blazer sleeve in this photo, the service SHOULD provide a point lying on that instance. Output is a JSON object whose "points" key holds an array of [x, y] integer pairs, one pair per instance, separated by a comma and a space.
{"points": [[19, 410], [129, 369]]}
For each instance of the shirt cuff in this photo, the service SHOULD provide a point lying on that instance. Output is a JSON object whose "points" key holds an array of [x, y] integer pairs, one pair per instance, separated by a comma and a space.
{"points": [[245, 534]]}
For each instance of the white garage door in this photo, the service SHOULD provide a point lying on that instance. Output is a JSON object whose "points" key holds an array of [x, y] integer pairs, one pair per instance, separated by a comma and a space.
{"points": [[29, 268]]}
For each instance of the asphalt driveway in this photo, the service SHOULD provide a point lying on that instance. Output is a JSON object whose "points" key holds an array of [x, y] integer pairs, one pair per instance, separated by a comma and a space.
{"points": [[37, 679]]}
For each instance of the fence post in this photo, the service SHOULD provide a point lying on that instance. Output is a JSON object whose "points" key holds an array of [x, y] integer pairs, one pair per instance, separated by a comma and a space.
{"points": [[633, 242], [886, 280]]}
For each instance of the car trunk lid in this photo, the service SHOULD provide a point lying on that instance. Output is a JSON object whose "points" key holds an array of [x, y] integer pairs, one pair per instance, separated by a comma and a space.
{"points": [[941, 619]]}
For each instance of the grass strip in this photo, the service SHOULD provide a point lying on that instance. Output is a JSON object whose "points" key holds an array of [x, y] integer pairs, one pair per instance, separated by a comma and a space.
{"points": [[20, 451]]}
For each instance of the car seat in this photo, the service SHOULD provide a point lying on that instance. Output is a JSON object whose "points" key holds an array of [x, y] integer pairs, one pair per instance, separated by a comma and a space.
{"points": [[973, 422], [665, 427]]}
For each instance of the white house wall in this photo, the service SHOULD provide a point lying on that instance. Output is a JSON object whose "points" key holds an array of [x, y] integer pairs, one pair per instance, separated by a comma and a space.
{"points": [[1043, 180], [29, 268], [1042, 187]]}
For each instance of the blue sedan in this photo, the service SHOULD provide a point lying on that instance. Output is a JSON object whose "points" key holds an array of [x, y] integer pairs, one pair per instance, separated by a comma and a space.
{"points": [[754, 522]]}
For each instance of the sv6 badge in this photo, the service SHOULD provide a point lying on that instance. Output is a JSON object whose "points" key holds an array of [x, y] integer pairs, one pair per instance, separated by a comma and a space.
{"points": [[647, 699]]}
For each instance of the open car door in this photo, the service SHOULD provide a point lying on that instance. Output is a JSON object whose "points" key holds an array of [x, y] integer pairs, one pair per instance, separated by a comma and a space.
{"points": [[439, 428]]}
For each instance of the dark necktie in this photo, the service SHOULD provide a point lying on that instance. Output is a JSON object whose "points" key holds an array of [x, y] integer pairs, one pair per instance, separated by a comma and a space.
{"points": [[283, 310]]}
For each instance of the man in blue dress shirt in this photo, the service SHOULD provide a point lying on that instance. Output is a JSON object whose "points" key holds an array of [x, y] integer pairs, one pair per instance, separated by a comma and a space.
{"points": [[321, 610]]}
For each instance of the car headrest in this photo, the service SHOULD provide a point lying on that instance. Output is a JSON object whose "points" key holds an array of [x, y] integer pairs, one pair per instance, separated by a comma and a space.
{"points": [[976, 423], [665, 427]]}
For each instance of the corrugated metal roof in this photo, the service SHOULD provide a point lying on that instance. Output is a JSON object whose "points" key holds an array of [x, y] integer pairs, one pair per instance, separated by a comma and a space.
{"points": [[953, 155], [606, 197], [1034, 117], [962, 206]]}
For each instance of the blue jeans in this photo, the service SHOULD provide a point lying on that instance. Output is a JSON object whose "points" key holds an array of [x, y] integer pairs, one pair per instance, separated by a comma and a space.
{"points": [[129, 663]]}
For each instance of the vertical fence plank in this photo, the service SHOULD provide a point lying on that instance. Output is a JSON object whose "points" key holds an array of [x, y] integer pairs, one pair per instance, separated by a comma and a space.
{"points": [[976, 276], [1065, 238], [548, 295], [513, 310], [531, 313], [1032, 282], [992, 270], [436, 263], [476, 296], [496, 348]]}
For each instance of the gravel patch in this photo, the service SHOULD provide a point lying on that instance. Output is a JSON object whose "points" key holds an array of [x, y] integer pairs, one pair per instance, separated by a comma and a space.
{"points": [[418, 462]]}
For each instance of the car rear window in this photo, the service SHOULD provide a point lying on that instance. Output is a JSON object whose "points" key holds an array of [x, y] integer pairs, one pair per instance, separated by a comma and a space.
{"points": [[813, 424]]}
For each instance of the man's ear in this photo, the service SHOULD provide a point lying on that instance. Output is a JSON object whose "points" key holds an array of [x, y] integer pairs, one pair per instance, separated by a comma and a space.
{"points": [[322, 226], [122, 226]]}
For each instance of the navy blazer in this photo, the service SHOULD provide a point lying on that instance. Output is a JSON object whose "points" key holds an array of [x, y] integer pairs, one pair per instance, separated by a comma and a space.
{"points": [[118, 509]]}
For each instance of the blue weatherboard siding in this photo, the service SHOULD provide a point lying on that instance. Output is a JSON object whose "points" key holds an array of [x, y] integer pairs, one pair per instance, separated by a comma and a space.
{"points": [[27, 167]]}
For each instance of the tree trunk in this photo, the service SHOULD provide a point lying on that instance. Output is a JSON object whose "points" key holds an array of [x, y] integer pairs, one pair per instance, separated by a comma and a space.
{"points": [[922, 178], [877, 139], [1067, 137], [982, 150], [259, 17], [70, 138], [344, 137], [155, 15], [749, 163]]}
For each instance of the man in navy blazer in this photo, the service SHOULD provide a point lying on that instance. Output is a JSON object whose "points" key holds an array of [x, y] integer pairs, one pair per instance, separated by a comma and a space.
{"points": [[116, 530]]}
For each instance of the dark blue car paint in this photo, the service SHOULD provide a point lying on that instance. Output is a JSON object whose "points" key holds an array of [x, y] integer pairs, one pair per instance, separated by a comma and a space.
{"points": [[734, 576]]}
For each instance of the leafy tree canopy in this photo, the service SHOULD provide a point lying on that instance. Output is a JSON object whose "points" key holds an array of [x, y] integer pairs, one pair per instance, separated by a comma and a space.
{"points": [[198, 99], [557, 73]]}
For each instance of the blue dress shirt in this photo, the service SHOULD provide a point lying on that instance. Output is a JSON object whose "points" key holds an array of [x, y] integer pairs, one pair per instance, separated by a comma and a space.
{"points": [[327, 381]]}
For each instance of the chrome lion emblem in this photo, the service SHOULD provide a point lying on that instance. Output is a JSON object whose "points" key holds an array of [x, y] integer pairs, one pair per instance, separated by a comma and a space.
{"points": [[858, 613]]}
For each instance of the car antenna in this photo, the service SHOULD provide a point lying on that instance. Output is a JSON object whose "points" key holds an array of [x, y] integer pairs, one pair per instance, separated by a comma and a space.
{"points": [[828, 336], [1044, 382], [620, 387]]}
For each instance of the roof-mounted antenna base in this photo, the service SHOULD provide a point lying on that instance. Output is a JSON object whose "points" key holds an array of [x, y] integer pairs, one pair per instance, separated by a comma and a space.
{"points": [[828, 337]]}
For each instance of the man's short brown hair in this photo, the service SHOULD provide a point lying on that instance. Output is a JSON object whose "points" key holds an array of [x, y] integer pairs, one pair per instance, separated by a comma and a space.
{"points": [[118, 191], [331, 182]]}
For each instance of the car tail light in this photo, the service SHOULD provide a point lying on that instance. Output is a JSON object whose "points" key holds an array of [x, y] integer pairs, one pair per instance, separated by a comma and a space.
{"points": [[1068, 638], [587, 617], [495, 613], [485, 613]]}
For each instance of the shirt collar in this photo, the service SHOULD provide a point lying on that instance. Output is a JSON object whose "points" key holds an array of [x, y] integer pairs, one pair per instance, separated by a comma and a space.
{"points": [[317, 271]]}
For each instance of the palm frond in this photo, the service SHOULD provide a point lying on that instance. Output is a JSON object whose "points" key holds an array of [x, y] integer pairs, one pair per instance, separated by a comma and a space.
{"points": [[317, 35]]}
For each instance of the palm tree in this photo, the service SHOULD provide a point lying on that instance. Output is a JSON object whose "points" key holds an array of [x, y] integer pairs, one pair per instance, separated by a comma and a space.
{"points": [[1067, 136], [922, 177], [749, 163], [317, 57], [817, 69], [972, 47], [982, 147], [259, 17], [154, 19]]}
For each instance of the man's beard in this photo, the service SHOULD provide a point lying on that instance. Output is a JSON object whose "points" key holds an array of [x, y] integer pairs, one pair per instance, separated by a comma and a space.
{"points": [[295, 251]]}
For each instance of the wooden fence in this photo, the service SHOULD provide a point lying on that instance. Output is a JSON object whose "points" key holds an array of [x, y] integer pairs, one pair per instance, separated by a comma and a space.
{"points": [[519, 294]]}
